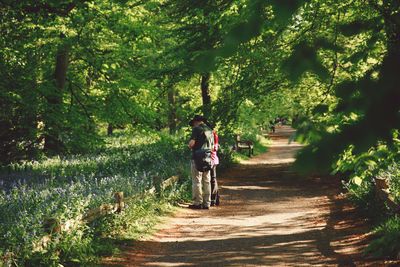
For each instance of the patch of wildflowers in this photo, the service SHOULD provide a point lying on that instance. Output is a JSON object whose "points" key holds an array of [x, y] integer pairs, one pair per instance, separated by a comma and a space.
{"points": [[65, 187]]}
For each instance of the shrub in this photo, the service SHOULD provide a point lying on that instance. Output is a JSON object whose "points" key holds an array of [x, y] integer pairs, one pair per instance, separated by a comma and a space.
{"points": [[392, 173], [388, 241]]}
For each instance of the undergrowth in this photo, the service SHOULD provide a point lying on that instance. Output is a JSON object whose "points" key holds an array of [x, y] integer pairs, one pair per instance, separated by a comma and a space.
{"points": [[88, 244], [64, 187], [384, 222], [387, 242]]}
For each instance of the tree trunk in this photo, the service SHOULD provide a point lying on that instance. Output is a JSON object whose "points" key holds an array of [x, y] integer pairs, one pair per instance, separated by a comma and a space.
{"points": [[53, 115], [205, 93], [110, 129], [172, 110]]}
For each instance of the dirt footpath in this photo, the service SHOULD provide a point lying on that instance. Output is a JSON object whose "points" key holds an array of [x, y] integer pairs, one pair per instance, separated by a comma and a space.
{"points": [[269, 216]]}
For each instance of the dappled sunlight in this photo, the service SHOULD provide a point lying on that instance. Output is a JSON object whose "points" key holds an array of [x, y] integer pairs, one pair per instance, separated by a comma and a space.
{"points": [[250, 187], [293, 231], [270, 216], [286, 145], [280, 152]]}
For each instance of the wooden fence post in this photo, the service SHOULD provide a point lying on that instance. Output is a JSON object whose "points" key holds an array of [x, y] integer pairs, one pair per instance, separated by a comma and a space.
{"points": [[119, 201], [52, 225], [157, 183]]}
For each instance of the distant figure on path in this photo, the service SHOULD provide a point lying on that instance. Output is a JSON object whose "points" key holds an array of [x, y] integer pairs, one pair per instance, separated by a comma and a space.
{"points": [[295, 119], [272, 126], [215, 199], [202, 139]]}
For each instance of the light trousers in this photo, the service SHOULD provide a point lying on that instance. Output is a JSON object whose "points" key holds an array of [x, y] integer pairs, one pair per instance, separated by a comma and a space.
{"points": [[201, 187]]}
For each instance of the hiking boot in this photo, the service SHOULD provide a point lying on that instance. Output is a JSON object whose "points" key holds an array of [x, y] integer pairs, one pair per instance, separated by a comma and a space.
{"points": [[205, 207], [195, 207], [212, 203]]}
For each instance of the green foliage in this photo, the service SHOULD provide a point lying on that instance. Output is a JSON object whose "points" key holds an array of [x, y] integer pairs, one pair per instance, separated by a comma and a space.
{"points": [[387, 233], [364, 95], [51, 107], [366, 166], [131, 64], [392, 174], [141, 215], [66, 187], [303, 59], [71, 69], [363, 198], [388, 241], [80, 247], [380, 162], [87, 244]]}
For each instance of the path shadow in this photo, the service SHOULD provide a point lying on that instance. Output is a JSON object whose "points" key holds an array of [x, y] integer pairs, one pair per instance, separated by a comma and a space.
{"points": [[270, 216], [329, 238]]}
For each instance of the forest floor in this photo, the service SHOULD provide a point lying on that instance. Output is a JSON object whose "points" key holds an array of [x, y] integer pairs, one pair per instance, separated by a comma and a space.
{"points": [[269, 216]]}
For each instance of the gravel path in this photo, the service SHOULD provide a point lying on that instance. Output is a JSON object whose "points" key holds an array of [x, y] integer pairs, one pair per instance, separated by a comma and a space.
{"points": [[269, 216]]}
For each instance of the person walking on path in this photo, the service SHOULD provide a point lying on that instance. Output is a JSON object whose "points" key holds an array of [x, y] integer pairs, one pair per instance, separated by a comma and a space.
{"points": [[202, 138], [215, 199]]}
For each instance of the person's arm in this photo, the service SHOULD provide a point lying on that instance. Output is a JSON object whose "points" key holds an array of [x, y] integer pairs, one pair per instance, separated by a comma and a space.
{"points": [[193, 137], [191, 143]]}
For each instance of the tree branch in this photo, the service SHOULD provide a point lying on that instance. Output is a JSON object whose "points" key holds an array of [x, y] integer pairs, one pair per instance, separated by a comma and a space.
{"points": [[79, 102], [62, 9], [335, 61]]}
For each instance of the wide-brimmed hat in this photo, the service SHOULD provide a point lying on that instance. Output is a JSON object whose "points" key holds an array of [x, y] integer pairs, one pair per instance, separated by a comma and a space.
{"points": [[197, 118]]}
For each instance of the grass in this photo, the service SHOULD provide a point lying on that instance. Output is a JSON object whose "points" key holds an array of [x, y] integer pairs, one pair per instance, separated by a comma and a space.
{"points": [[89, 244], [64, 187], [387, 242]]}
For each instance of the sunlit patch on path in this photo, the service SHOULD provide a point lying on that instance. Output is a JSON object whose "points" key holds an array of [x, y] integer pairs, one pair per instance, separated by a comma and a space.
{"points": [[270, 216], [281, 150]]}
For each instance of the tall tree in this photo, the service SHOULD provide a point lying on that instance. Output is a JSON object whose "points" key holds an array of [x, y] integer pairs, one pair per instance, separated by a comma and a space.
{"points": [[53, 114], [198, 28], [366, 85]]}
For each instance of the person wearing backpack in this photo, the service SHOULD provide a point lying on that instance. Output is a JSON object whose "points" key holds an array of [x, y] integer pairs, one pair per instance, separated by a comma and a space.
{"points": [[215, 199], [201, 142]]}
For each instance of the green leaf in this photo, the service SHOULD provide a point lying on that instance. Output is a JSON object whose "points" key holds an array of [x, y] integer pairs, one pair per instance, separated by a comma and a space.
{"points": [[357, 180], [204, 61]]}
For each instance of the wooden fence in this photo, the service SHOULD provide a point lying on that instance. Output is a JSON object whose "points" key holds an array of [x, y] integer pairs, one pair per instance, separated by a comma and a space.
{"points": [[55, 225]]}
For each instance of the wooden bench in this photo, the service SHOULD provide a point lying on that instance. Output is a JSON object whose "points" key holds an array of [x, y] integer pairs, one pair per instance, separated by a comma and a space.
{"points": [[244, 144]]}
